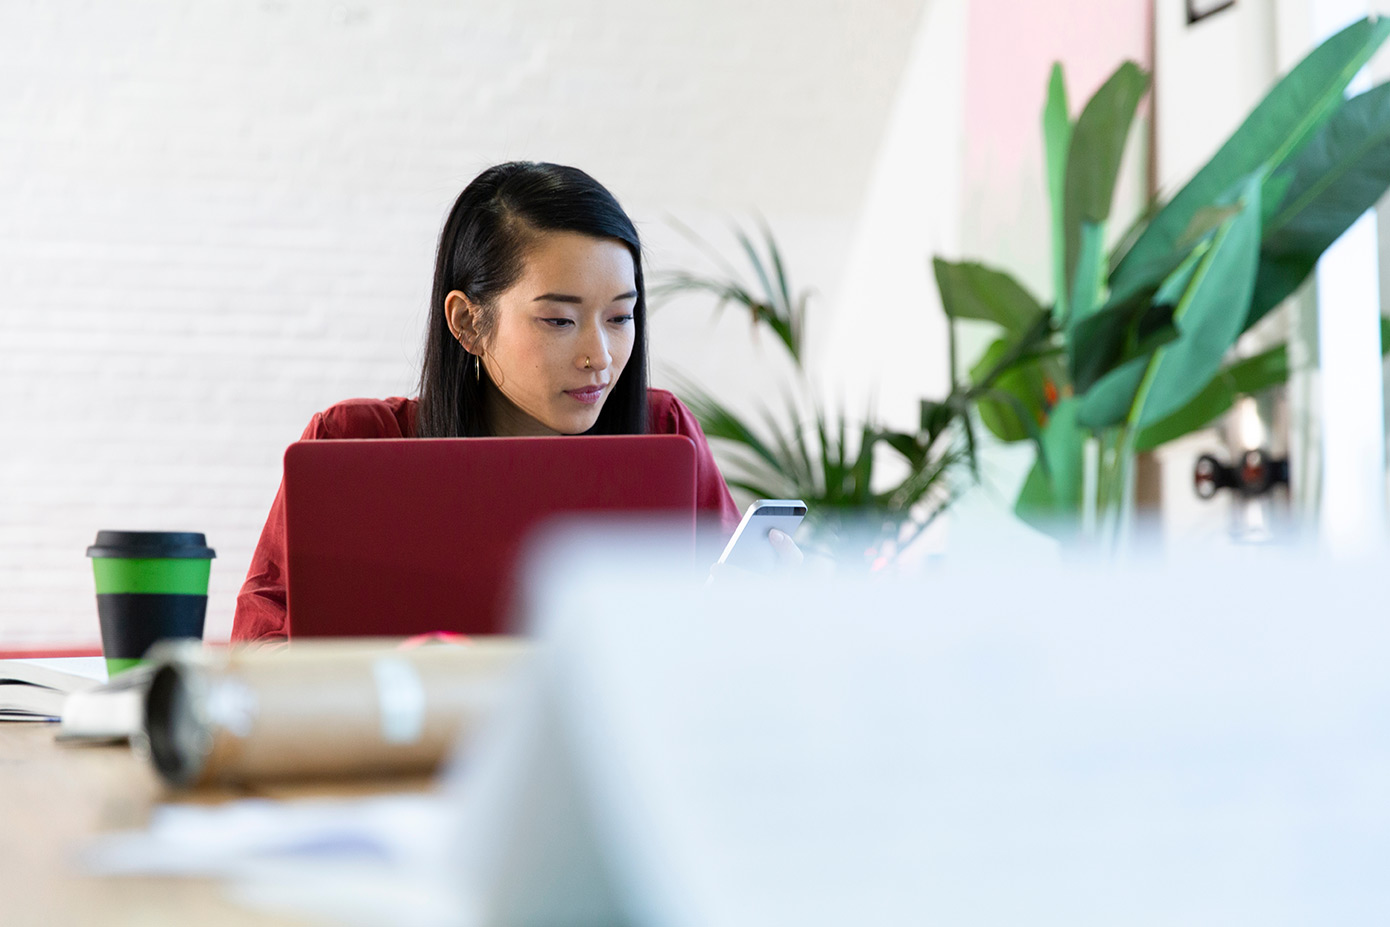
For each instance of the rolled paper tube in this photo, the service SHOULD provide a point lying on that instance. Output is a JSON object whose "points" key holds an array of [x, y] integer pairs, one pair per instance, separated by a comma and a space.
{"points": [[317, 709]]}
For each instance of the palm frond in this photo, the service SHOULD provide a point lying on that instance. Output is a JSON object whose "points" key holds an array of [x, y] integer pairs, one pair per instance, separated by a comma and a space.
{"points": [[810, 449]]}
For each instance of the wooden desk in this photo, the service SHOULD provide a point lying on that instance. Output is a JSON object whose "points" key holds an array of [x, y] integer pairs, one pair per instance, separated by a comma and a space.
{"points": [[54, 798]]}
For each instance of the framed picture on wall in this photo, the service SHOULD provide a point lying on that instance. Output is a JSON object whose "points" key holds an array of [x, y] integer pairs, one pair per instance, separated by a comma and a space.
{"points": [[1198, 10]]}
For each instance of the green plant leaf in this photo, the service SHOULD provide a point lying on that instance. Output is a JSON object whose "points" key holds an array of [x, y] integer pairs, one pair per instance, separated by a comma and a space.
{"points": [[1204, 222], [1131, 234], [1210, 316], [801, 462], [1337, 176], [778, 310], [1266, 369], [1093, 162], [1241, 378], [775, 308], [911, 450], [789, 449], [831, 468], [1283, 121], [1105, 339], [862, 470], [935, 418], [1108, 402], [1029, 422], [1051, 493], [1057, 129], [974, 291], [1276, 191], [1172, 288], [719, 422], [1088, 279], [1016, 420], [930, 478]]}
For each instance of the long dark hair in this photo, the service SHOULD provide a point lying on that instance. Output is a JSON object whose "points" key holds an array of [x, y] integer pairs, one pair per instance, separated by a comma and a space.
{"points": [[482, 252]]}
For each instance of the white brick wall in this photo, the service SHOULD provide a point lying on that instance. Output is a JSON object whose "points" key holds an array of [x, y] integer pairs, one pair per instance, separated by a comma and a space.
{"points": [[217, 218]]}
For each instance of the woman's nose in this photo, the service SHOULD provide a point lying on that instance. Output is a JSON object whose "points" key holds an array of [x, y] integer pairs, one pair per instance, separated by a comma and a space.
{"points": [[594, 353]]}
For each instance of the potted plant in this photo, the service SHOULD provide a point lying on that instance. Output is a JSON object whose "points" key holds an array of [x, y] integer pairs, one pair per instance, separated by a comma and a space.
{"points": [[1134, 349], [803, 449]]}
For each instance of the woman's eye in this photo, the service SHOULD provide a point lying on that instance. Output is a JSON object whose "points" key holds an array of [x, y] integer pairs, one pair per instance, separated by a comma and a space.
{"points": [[621, 319], [558, 323]]}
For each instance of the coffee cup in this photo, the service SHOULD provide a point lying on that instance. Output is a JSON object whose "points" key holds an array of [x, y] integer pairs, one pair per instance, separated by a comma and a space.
{"points": [[151, 586]]}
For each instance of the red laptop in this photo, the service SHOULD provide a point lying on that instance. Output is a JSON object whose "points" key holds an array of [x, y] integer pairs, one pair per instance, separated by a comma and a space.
{"points": [[408, 536]]}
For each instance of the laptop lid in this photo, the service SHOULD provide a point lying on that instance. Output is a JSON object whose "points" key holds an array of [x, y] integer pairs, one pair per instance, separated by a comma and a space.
{"points": [[409, 536]]}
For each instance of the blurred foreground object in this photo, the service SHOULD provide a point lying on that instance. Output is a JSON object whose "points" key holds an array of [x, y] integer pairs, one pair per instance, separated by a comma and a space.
{"points": [[317, 708], [943, 749]]}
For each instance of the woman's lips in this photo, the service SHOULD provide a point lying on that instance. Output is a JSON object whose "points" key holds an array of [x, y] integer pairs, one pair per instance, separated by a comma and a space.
{"points": [[588, 395]]}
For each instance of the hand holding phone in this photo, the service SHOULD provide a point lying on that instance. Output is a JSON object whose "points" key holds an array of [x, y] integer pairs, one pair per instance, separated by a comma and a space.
{"points": [[750, 548]]}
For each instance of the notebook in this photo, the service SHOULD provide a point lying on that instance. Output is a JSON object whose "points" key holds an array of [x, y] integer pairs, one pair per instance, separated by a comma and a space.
{"points": [[412, 536], [36, 691]]}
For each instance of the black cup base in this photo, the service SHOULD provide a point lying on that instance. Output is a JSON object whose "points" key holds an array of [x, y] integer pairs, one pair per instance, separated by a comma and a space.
{"points": [[132, 621]]}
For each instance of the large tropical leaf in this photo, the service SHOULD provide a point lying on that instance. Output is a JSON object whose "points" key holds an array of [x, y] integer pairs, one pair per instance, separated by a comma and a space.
{"points": [[1088, 280], [1240, 378], [1339, 175], [1287, 117], [1250, 375], [1051, 493], [974, 291], [1093, 162], [1105, 339], [1210, 316], [1057, 129], [1015, 405], [1132, 233], [1108, 402], [1112, 350]]}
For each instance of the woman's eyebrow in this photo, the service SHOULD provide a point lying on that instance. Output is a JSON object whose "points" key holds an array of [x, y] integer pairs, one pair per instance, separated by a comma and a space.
{"points": [[577, 300]]}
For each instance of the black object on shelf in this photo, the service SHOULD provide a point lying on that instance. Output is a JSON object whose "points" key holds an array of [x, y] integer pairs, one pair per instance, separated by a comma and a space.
{"points": [[1198, 10], [1256, 474]]}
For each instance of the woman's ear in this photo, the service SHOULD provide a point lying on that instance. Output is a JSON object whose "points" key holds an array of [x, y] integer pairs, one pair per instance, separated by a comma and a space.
{"points": [[462, 315]]}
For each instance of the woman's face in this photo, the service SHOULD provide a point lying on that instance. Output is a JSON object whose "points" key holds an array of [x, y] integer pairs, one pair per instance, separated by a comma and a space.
{"points": [[561, 335]]}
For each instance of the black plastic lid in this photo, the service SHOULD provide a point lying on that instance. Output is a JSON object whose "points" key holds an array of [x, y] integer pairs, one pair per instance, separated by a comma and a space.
{"points": [[155, 545]]}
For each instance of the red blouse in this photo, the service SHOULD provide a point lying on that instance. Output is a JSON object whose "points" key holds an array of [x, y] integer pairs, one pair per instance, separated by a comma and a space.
{"points": [[260, 606]]}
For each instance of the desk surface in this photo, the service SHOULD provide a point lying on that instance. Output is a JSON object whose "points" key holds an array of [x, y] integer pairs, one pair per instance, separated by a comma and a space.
{"points": [[54, 797]]}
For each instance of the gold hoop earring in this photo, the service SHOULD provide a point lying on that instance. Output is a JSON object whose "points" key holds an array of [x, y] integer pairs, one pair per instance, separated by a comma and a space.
{"points": [[477, 361]]}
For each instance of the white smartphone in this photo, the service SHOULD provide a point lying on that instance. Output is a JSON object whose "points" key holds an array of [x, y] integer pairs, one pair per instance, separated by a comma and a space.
{"points": [[749, 548]]}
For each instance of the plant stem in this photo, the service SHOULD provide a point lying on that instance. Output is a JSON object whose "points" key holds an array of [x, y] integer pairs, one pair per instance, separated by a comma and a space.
{"points": [[1090, 485]]}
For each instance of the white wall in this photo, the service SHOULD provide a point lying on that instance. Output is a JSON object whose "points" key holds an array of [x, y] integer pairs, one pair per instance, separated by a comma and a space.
{"points": [[888, 348], [217, 218]]}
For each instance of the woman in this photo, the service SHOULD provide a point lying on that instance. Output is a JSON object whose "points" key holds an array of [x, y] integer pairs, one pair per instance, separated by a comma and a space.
{"points": [[537, 327]]}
